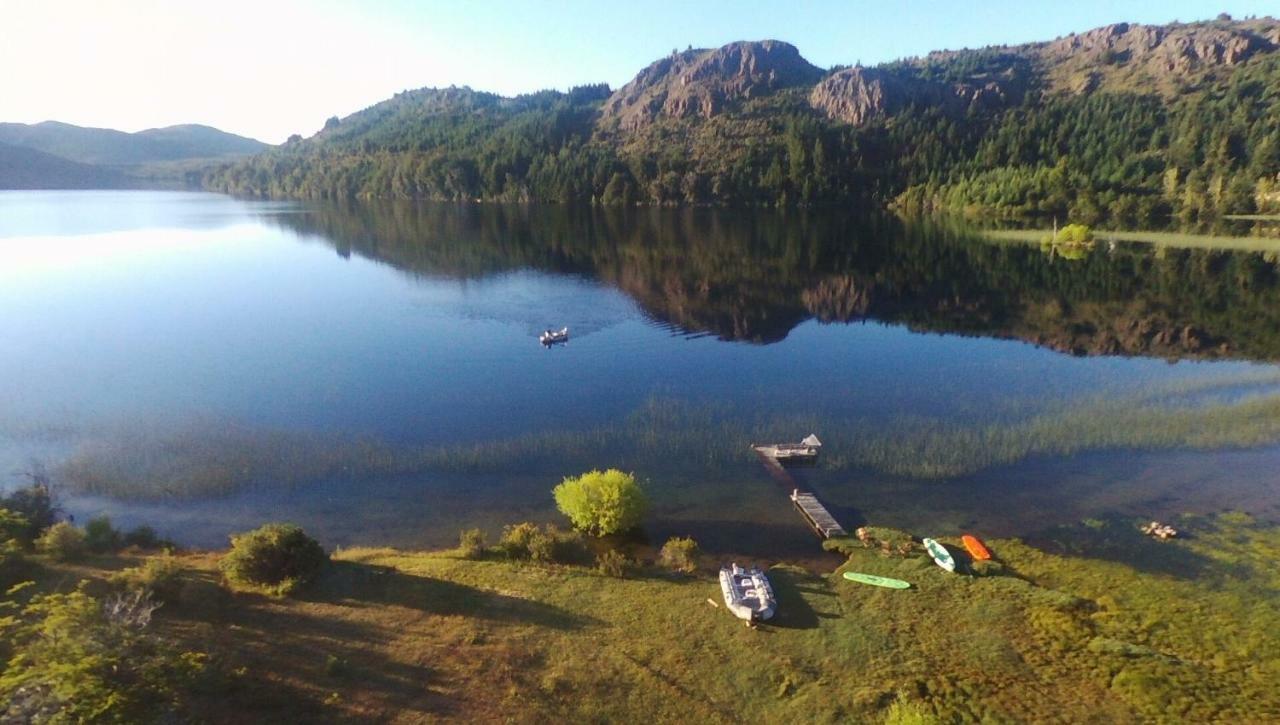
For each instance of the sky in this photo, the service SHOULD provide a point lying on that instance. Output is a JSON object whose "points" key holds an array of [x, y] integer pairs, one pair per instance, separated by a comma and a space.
{"points": [[271, 68]]}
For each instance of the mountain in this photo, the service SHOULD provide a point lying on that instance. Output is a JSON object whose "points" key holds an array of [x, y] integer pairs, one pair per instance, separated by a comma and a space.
{"points": [[24, 168], [53, 155], [110, 147], [1127, 121], [701, 83]]}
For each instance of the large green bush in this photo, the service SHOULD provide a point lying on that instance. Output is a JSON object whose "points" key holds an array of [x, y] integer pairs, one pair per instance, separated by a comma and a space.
{"points": [[276, 558], [62, 542], [602, 502]]}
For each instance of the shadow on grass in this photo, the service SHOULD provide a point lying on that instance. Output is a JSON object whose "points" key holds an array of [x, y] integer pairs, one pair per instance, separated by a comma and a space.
{"points": [[1117, 539], [790, 585], [355, 584]]}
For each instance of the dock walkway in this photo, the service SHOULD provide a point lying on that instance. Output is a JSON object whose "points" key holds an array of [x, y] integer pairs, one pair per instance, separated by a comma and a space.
{"points": [[816, 514]]}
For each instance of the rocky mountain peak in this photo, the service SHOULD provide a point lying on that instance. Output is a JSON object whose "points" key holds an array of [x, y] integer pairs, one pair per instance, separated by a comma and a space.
{"points": [[702, 82]]}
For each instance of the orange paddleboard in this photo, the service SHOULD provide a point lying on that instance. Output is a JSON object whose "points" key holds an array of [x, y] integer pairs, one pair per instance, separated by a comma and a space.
{"points": [[975, 547]]}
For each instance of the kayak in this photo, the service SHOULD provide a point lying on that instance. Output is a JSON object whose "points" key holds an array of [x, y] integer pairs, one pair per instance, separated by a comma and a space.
{"points": [[940, 555], [876, 581], [975, 547]]}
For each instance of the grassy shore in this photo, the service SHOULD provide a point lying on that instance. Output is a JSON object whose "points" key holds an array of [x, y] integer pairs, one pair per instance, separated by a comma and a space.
{"points": [[1093, 623]]}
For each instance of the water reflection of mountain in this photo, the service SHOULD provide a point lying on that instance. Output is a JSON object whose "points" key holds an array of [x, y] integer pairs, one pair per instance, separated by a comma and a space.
{"points": [[753, 276]]}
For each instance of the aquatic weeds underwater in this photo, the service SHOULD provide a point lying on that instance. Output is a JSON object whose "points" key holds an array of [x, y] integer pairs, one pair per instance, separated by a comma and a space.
{"points": [[665, 434]]}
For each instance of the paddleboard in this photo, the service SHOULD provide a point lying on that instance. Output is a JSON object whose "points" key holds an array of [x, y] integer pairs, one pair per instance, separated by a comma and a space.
{"points": [[975, 547], [876, 581], [940, 555]]}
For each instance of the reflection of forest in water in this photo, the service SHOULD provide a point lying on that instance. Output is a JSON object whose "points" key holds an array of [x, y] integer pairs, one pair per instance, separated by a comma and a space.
{"points": [[755, 275]]}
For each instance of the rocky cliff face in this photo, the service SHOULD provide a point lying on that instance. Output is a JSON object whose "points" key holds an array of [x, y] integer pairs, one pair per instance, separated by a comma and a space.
{"points": [[702, 82], [1169, 48], [858, 95]]}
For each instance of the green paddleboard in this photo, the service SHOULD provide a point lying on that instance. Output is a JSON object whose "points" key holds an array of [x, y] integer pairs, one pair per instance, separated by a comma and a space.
{"points": [[876, 581]]}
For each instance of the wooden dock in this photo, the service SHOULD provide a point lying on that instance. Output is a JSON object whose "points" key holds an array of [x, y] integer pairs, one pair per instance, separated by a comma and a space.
{"points": [[816, 514]]}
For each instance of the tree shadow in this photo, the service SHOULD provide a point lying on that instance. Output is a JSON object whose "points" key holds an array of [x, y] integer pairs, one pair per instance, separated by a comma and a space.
{"points": [[356, 584]]}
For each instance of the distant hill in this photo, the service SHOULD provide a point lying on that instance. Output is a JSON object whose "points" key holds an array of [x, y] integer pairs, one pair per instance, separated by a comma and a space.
{"points": [[110, 147], [79, 157], [24, 168], [1127, 121]]}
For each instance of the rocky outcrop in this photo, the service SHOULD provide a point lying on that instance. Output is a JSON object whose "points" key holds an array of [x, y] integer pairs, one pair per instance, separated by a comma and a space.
{"points": [[701, 83], [858, 95], [1166, 49]]}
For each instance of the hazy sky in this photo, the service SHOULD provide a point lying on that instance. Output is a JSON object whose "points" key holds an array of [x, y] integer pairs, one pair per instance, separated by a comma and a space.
{"points": [[269, 68]]}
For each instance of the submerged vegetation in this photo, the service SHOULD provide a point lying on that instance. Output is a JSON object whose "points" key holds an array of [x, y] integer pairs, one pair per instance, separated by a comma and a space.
{"points": [[1231, 412]]}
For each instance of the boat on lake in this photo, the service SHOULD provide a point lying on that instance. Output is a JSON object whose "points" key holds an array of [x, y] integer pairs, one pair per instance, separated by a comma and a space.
{"points": [[940, 555], [804, 451], [876, 581], [975, 547], [552, 337], [747, 593]]}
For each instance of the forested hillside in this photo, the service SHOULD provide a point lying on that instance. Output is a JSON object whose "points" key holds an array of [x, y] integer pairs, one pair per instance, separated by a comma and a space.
{"points": [[1125, 121]]}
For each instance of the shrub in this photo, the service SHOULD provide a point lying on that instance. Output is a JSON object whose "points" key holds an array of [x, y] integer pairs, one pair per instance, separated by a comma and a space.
{"points": [[548, 544], [471, 543], [100, 537], [613, 563], [14, 527], [680, 554], [160, 575], [602, 503], [62, 542], [276, 558], [82, 661], [35, 504], [144, 537], [515, 540]]}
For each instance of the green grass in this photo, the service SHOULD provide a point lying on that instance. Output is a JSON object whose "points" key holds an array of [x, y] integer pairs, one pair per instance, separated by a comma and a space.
{"points": [[1179, 240], [1096, 623]]}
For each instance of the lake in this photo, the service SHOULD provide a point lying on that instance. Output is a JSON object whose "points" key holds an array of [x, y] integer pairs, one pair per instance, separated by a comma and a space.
{"points": [[372, 371]]}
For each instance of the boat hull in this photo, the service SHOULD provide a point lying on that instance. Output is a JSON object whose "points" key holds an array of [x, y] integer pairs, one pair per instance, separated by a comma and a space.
{"points": [[975, 548], [747, 593], [940, 555]]}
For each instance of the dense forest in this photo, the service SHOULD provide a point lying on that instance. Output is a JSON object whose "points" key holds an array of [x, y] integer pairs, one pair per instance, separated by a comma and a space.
{"points": [[1126, 121]]}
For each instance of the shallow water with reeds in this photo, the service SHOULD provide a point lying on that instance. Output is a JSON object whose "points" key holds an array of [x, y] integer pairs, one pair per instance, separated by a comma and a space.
{"points": [[203, 364]]}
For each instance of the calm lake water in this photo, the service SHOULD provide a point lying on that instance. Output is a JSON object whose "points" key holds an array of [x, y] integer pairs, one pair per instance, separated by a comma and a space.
{"points": [[203, 364]]}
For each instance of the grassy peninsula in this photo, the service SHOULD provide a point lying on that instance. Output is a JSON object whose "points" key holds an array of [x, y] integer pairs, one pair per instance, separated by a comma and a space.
{"points": [[1098, 621]]}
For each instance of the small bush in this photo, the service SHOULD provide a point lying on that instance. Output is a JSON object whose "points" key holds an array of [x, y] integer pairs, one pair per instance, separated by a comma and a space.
{"points": [[100, 537], [14, 527], [144, 537], [613, 563], [680, 554], [602, 503], [62, 542], [547, 545], [160, 575], [515, 540], [276, 558], [471, 543]]}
